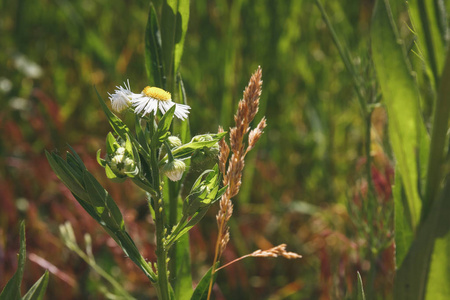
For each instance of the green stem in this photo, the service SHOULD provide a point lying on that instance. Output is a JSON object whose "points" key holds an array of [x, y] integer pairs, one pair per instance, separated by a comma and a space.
{"points": [[162, 285], [438, 139], [368, 157]]}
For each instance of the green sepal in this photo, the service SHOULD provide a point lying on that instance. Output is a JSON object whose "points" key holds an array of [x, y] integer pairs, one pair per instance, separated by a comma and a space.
{"points": [[111, 144], [100, 160], [112, 176]]}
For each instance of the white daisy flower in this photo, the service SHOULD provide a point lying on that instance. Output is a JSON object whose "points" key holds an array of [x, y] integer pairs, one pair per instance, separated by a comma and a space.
{"points": [[121, 99], [152, 98]]}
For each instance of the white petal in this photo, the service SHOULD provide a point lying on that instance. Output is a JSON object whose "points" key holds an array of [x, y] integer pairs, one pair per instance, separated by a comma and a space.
{"points": [[152, 106], [182, 111], [164, 106]]}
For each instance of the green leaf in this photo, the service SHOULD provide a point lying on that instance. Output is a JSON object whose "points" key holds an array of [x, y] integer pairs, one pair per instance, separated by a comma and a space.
{"points": [[182, 128], [403, 232], [401, 97], [105, 206], [153, 50], [360, 290], [130, 249], [182, 283], [37, 291], [439, 275], [65, 174], [12, 289], [89, 208], [201, 291], [412, 276], [182, 20], [168, 31], [438, 137], [425, 16], [163, 128]]}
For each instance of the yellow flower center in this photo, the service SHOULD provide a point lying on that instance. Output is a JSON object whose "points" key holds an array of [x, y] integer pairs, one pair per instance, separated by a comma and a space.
{"points": [[157, 93]]}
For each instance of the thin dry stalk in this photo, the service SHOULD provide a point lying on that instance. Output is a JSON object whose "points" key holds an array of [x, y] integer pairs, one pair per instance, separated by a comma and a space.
{"points": [[247, 110], [279, 250]]}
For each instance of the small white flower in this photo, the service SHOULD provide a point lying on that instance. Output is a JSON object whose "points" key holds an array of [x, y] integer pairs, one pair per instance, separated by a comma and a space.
{"points": [[121, 99], [152, 98]]}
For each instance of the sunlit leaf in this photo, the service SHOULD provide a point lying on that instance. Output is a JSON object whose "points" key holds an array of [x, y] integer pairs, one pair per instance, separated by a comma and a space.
{"points": [[401, 96]]}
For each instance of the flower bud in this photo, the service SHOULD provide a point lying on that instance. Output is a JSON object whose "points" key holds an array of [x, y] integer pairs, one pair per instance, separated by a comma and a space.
{"points": [[174, 141], [174, 169]]}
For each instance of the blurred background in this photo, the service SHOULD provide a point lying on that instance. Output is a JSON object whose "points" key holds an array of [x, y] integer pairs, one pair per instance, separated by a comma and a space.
{"points": [[304, 184]]}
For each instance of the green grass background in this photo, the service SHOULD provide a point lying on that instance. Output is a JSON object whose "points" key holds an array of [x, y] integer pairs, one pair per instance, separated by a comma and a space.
{"points": [[303, 182]]}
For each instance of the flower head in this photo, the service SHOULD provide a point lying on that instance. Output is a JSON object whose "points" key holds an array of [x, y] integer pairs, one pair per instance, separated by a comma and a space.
{"points": [[121, 99], [152, 99], [174, 169]]}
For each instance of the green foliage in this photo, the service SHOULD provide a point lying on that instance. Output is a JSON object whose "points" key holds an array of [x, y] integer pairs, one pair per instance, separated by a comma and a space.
{"points": [[400, 94], [419, 249], [201, 291], [11, 291], [98, 203]]}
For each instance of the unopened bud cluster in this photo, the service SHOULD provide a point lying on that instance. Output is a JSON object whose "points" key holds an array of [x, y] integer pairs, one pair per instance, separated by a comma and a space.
{"points": [[121, 162]]}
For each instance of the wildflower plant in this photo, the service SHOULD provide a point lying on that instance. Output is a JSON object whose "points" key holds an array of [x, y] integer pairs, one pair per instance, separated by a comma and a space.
{"points": [[156, 153]]}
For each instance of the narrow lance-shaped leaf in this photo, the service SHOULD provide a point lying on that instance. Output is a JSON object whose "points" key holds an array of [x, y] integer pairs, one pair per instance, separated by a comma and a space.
{"points": [[12, 288], [37, 291], [105, 206], [360, 291], [201, 291], [163, 128], [180, 30], [153, 52], [425, 16], [401, 97], [181, 128], [415, 273]]}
